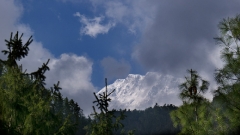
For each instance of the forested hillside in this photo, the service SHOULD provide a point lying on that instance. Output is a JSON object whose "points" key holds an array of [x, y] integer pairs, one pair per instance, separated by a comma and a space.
{"points": [[151, 121]]}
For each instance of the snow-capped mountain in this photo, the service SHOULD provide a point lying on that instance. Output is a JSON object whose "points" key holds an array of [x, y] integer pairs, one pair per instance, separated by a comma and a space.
{"points": [[142, 91]]}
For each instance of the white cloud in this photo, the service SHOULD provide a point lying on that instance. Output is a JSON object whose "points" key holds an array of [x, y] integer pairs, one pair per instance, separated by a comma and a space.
{"points": [[74, 72], [92, 27]]}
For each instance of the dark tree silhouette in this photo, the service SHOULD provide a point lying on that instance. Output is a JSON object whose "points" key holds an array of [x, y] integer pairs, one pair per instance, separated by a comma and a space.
{"points": [[104, 122]]}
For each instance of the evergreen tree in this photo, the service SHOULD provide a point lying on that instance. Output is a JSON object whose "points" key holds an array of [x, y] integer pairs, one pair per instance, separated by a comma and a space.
{"points": [[228, 77], [26, 106], [191, 116]]}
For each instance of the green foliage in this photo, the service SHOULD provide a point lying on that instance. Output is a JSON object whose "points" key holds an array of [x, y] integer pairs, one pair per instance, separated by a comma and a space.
{"points": [[185, 117], [26, 106], [228, 77], [218, 119]]}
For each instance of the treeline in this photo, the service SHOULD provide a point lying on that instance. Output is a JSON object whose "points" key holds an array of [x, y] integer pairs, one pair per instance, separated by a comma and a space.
{"points": [[27, 107], [151, 121]]}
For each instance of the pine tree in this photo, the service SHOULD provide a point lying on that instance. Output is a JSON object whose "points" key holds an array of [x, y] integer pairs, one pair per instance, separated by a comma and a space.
{"points": [[191, 116], [228, 77]]}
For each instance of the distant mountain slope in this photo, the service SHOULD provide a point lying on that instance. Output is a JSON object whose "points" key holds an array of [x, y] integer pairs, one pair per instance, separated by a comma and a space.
{"points": [[142, 91]]}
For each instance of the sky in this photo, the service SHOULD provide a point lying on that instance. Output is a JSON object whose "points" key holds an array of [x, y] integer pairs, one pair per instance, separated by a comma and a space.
{"points": [[89, 40]]}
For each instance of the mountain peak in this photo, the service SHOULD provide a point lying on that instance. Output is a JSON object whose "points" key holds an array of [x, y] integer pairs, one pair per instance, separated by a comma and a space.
{"points": [[142, 91]]}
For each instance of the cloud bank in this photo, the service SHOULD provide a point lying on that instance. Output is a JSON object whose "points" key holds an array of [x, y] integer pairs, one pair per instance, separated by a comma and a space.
{"points": [[181, 37]]}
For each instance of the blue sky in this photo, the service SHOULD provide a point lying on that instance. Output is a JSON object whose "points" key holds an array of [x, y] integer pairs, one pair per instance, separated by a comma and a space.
{"points": [[88, 40], [56, 25]]}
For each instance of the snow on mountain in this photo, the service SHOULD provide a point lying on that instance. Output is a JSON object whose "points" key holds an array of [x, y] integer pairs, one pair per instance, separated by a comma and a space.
{"points": [[142, 91]]}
